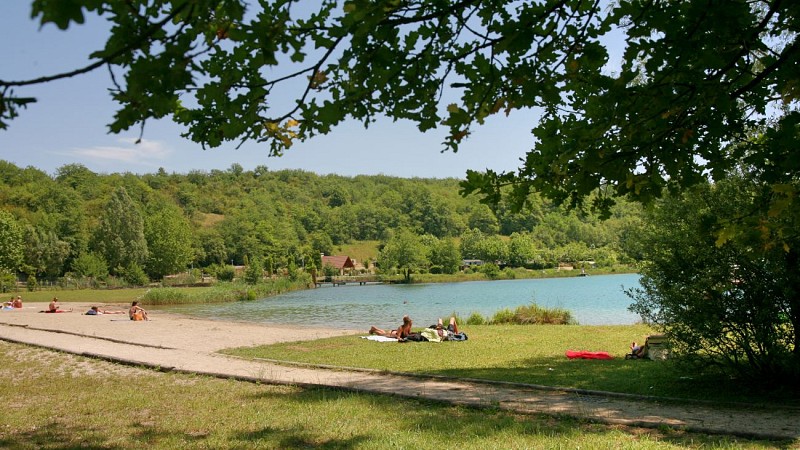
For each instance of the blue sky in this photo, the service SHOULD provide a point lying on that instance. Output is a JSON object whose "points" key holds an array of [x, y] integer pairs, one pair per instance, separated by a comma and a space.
{"points": [[68, 123]]}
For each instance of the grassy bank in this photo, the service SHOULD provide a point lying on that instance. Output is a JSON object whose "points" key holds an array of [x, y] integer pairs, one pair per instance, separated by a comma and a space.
{"points": [[64, 401], [516, 273], [221, 292], [216, 293], [527, 354]]}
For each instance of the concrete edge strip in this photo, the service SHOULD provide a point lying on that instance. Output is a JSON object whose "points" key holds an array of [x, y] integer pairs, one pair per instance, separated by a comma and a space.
{"points": [[476, 405]]}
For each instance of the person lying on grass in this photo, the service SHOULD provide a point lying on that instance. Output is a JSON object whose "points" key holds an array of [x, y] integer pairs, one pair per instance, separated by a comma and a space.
{"points": [[438, 333], [400, 333]]}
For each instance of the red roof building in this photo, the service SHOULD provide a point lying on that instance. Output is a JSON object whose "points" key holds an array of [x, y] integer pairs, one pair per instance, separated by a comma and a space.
{"points": [[341, 263]]}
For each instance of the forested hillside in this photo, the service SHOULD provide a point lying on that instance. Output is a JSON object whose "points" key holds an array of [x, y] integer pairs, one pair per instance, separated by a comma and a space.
{"points": [[78, 223]]}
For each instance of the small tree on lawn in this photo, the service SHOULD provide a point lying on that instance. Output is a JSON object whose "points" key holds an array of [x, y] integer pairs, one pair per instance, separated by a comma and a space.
{"points": [[730, 300]]}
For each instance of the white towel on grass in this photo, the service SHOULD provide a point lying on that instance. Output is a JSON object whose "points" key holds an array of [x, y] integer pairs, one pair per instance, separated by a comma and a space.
{"points": [[379, 338]]}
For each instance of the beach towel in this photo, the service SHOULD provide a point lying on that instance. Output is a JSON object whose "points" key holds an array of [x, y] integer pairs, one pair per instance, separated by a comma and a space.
{"points": [[584, 354], [379, 338]]}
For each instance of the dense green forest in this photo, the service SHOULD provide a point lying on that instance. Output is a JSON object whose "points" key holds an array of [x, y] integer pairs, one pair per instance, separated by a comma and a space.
{"points": [[80, 224]]}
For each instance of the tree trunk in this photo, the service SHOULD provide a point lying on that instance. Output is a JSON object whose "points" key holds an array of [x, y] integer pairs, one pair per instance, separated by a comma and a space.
{"points": [[793, 296]]}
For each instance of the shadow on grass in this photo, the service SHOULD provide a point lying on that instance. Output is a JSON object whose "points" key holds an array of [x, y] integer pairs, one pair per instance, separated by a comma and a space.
{"points": [[295, 438], [663, 379], [406, 421], [56, 436], [639, 377], [432, 420]]}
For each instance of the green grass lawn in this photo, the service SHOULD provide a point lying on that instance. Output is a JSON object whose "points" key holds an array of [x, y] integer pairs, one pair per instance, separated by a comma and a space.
{"points": [[53, 400], [526, 354]]}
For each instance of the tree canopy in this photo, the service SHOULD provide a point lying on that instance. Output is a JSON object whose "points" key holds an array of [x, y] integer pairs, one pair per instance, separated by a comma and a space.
{"points": [[695, 78], [92, 224]]}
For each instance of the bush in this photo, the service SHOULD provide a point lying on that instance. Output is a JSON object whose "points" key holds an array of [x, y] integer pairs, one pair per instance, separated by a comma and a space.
{"points": [[722, 294], [254, 272], [534, 313], [7, 281], [225, 273], [135, 275], [504, 316], [183, 279], [476, 319], [526, 315], [490, 270], [31, 283]]}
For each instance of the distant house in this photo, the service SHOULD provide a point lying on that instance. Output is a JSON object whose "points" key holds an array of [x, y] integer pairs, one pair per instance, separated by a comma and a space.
{"points": [[471, 263], [341, 263]]}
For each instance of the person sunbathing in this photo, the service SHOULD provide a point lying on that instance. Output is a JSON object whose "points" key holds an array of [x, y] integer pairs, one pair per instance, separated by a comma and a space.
{"points": [[439, 333], [400, 333], [452, 327], [96, 311]]}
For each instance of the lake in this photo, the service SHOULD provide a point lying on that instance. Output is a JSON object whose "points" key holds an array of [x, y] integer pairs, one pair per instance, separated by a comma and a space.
{"points": [[593, 300]]}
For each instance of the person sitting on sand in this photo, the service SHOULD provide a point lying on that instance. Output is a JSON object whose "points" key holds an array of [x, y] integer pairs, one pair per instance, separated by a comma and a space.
{"points": [[17, 302], [55, 307], [400, 333], [137, 312]]}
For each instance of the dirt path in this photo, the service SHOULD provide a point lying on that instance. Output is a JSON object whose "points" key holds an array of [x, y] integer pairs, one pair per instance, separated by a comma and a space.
{"points": [[182, 344]]}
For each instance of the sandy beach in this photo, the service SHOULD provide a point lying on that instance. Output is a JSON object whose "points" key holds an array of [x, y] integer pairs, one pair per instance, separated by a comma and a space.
{"points": [[162, 330]]}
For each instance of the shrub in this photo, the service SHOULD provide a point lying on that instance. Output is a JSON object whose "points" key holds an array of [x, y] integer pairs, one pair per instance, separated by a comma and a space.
{"points": [[135, 275], [254, 272], [165, 296], [7, 281], [476, 319], [182, 279], [721, 293], [503, 316], [31, 283], [490, 270], [225, 273], [533, 313]]}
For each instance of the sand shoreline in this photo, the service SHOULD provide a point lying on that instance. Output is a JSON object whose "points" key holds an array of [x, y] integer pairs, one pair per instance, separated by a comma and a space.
{"points": [[168, 330]]}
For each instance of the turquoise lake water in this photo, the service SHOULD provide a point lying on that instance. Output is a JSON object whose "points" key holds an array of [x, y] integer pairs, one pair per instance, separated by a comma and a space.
{"points": [[593, 300]]}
